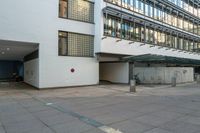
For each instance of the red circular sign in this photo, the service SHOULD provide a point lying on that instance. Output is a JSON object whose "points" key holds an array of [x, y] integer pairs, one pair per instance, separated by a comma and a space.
{"points": [[72, 70]]}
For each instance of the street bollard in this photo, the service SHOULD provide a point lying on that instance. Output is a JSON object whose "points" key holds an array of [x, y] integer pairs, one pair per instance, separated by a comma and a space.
{"points": [[173, 81], [132, 86], [198, 78]]}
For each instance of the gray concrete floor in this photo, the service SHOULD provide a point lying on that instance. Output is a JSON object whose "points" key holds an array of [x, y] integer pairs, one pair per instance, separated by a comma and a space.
{"points": [[153, 109]]}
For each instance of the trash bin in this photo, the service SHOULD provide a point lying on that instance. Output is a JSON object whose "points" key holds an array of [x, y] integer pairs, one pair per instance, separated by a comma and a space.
{"points": [[132, 85]]}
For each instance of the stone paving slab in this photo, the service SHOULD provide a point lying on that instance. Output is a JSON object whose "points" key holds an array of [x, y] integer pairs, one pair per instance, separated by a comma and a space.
{"points": [[158, 130], [2, 130], [72, 127], [132, 127], [57, 119], [153, 109], [181, 127]]}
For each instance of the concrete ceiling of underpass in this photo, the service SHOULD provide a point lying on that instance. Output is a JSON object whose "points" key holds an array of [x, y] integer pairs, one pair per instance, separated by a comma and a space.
{"points": [[16, 50]]}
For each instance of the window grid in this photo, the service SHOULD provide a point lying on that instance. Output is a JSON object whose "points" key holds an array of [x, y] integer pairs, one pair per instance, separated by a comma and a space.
{"points": [[80, 10], [163, 14], [76, 45], [153, 36]]}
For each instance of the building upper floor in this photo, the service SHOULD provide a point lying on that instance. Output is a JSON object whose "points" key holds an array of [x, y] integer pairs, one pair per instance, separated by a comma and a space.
{"points": [[76, 27], [181, 14]]}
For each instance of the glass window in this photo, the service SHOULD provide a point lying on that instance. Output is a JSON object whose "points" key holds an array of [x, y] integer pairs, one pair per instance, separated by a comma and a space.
{"points": [[156, 37], [147, 9], [118, 28], [132, 31], [63, 8], [191, 46], [137, 5], [168, 40], [198, 29], [195, 29], [147, 35], [195, 12], [180, 43], [72, 44], [174, 20], [159, 38], [185, 25], [162, 39], [155, 13], [195, 46], [77, 9], [151, 35], [137, 32], [175, 42], [198, 12], [172, 41], [185, 6], [198, 46], [63, 41], [180, 23], [160, 13], [186, 45]]}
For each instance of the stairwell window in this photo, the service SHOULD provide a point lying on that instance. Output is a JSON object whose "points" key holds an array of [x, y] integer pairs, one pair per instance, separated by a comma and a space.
{"points": [[79, 10], [74, 44]]}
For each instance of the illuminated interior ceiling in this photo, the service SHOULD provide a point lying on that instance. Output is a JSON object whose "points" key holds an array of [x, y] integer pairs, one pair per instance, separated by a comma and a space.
{"points": [[15, 50]]}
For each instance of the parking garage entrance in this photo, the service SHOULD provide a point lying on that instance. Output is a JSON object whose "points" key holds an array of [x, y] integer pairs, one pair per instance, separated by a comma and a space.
{"points": [[13, 56]]}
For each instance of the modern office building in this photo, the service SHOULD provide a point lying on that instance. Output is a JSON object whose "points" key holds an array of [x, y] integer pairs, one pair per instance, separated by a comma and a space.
{"points": [[62, 43]]}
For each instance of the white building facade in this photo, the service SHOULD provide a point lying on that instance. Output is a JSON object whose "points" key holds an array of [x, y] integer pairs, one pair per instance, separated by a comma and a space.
{"points": [[80, 42]]}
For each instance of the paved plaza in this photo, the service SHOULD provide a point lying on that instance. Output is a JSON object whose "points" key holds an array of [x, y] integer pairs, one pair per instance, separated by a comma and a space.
{"points": [[100, 109]]}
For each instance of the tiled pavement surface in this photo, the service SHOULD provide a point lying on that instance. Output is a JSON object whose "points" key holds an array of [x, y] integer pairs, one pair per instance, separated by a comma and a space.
{"points": [[153, 109]]}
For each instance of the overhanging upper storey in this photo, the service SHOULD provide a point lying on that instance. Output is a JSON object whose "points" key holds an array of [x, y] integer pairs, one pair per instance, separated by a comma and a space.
{"points": [[164, 12], [123, 25]]}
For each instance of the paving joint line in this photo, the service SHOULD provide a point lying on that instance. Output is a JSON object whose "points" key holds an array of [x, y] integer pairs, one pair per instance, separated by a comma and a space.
{"points": [[82, 118], [36, 116]]}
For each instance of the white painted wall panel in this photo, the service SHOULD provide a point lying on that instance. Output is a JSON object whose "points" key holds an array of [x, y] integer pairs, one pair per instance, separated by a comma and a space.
{"points": [[163, 75], [58, 73], [31, 72], [110, 45]]}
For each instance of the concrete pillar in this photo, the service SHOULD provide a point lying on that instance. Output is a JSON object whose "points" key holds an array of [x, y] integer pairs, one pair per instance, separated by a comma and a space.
{"points": [[131, 66], [173, 81], [132, 85]]}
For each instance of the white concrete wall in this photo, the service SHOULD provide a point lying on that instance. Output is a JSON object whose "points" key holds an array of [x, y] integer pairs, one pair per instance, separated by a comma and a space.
{"points": [[31, 72], [59, 74], [109, 45], [163, 75], [37, 21], [114, 72]]}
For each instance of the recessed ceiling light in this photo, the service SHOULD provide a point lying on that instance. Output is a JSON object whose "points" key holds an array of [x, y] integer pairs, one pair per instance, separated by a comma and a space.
{"points": [[2, 52], [7, 49]]}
